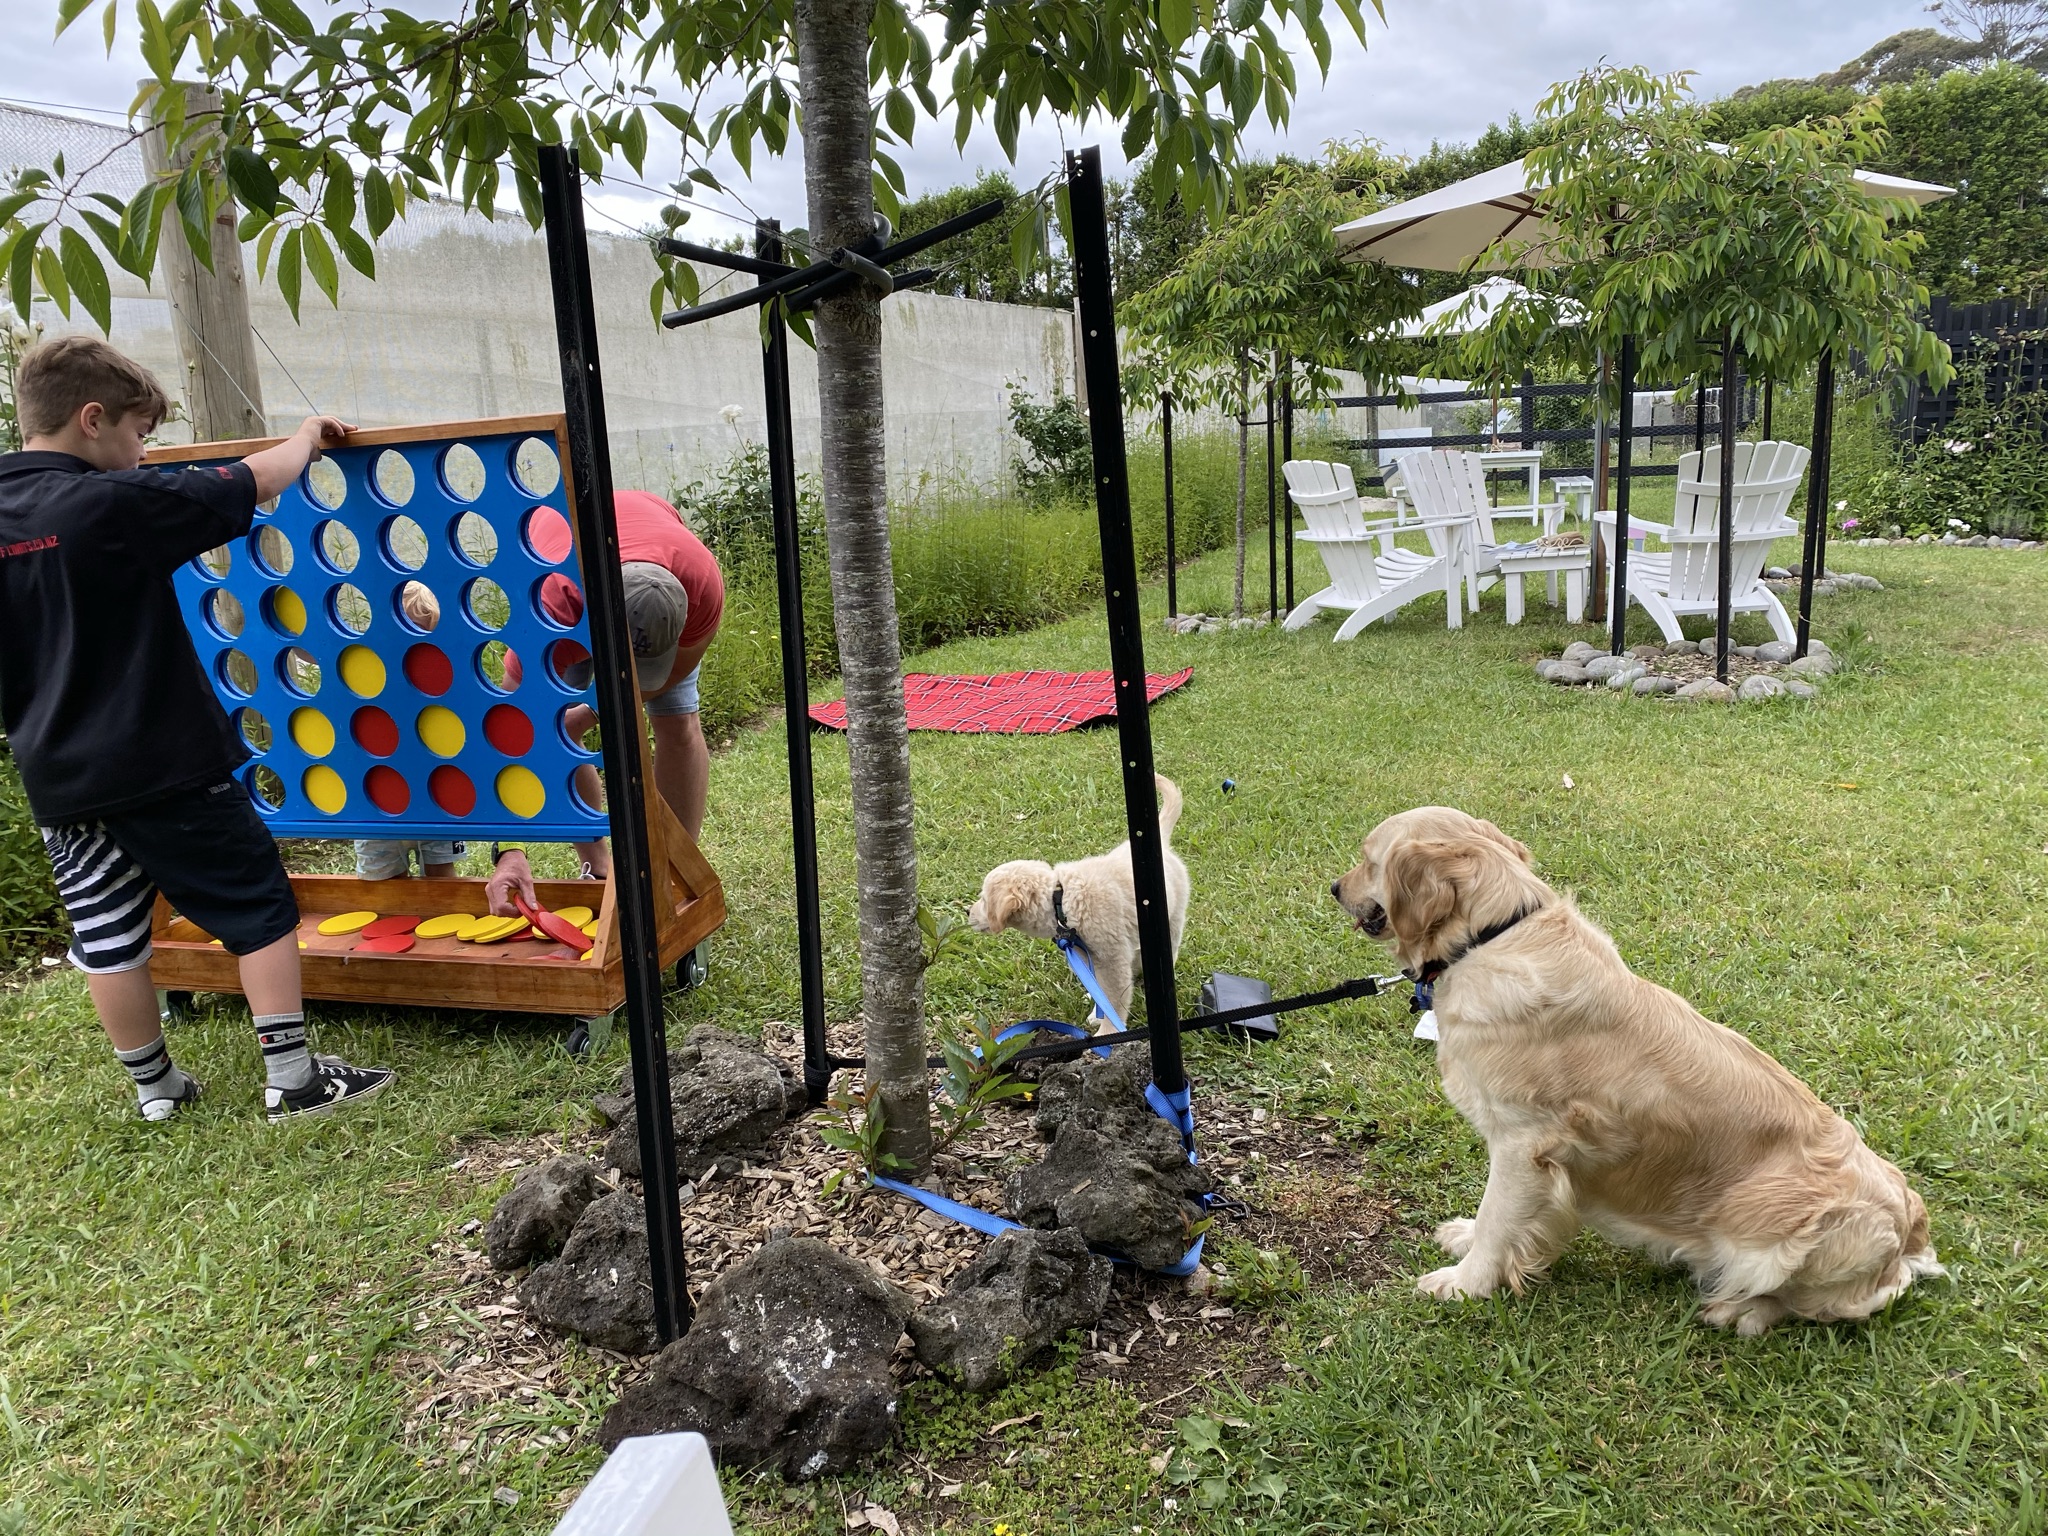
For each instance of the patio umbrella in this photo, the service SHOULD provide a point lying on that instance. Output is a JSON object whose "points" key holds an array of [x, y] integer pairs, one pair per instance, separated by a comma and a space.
{"points": [[1453, 230], [1473, 310]]}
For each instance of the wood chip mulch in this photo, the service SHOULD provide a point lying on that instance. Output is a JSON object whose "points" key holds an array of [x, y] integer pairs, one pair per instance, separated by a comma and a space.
{"points": [[486, 1382]]}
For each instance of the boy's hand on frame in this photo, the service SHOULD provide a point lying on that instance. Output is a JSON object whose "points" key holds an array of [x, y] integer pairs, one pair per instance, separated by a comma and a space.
{"points": [[324, 432]]}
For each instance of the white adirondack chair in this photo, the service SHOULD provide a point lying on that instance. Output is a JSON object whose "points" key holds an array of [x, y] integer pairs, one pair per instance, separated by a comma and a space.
{"points": [[1448, 486], [1369, 574], [1687, 580]]}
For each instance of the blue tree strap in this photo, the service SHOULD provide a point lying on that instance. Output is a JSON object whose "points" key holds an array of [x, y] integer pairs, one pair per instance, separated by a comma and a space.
{"points": [[985, 1222], [1057, 1026], [1177, 1110], [1084, 972]]}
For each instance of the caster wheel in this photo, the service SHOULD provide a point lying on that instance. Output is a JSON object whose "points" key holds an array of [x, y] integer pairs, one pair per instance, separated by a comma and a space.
{"points": [[174, 1007], [577, 1041], [692, 970]]}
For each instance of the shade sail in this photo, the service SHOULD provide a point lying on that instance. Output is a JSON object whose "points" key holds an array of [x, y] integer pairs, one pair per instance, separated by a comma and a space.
{"points": [[1473, 309], [1450, 229]]}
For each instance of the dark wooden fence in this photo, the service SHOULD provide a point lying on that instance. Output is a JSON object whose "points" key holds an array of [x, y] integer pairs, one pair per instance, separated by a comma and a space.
{"points": [[2010, 339]]}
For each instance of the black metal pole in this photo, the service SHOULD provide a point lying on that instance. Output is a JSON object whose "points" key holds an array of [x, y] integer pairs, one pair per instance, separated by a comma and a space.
{"points": [[1617, 605], [1120, 597], [1286, 455], [1528, 410], [1769, 391], [1166, 434], [1272, 516], [1699, 416], [1722, 575], [618, 710], [796, 692], [1814, 551]]}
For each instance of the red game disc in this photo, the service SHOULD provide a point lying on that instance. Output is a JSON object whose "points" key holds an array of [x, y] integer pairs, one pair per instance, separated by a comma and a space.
{"points": [[452, 790], [386, 927], [507, 729], [375, 732], [389, 944], [428, 669], [387, 789]]}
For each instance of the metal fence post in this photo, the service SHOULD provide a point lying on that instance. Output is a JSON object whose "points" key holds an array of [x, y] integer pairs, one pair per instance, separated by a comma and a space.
{"points": [[1723, 575], [1166, 435], [1821, 448], [1617, 605]]}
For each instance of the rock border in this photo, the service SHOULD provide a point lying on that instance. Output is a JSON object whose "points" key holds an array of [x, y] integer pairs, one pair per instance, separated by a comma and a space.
{"points": [[1758, 672]]}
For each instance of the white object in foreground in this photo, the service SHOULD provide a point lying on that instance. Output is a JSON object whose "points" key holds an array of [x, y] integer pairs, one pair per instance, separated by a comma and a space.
{"points": [[652, 1485], [1372, 586], [1517, 561]]}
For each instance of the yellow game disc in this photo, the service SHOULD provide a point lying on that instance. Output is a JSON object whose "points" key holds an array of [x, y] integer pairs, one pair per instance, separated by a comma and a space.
{"points": [[586, 954], [590, 930], [302, 943], [324, 788], [347, 922], [363, 670], [440, 730], [476, 927], [216, 943], [443, 927], [577, 915], [313, 732], [515, 928], [288, 610], [520, 792]]}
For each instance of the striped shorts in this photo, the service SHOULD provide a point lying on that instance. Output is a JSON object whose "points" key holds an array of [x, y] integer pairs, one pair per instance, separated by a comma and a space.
{"points": [[108, 896]]}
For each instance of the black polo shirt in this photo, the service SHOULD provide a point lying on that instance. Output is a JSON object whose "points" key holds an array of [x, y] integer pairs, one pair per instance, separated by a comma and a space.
{"points": [[103, 697]]}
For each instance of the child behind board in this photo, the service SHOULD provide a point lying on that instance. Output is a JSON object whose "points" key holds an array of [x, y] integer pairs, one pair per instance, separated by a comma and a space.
{"points": [[127, 756], [385, 858]]}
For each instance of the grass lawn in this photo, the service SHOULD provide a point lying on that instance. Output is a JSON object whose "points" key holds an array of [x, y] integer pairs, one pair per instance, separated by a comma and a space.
{"points": [[204, 1327]]}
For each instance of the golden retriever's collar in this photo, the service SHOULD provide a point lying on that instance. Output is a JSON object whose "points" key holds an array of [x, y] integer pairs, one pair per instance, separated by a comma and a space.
{"points": [[1429, 970], [1064, 932]]}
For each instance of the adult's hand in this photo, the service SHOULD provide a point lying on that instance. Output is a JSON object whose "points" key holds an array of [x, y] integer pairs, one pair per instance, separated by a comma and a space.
{"points": [[513, 876]]}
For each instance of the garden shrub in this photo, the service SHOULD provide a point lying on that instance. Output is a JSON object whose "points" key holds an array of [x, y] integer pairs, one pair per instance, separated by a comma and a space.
{"points": [[1058, 463], [28, 900], [1981, 474]]}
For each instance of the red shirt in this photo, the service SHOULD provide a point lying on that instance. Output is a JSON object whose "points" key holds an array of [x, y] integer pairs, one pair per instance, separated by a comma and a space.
{"points": [[650, 530]]}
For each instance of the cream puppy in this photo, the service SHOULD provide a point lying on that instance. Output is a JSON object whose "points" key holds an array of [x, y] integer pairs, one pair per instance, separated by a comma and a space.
{"points": [[1097, 898]]}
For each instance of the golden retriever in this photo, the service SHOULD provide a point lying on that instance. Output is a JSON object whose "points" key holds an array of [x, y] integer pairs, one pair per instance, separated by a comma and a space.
{"points": [[1099, 900], [1607, 1101]]}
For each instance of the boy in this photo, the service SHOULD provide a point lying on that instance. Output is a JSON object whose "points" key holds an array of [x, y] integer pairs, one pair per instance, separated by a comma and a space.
{"points": [[127, 757], [390, 858]]}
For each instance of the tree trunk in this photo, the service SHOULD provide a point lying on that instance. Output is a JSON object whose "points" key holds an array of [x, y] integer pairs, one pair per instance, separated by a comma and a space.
{"points": [[832, 49], [1244, 448]]}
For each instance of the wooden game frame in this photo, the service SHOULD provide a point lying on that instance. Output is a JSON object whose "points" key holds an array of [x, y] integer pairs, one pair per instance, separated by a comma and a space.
{"points": [[517, 977]]}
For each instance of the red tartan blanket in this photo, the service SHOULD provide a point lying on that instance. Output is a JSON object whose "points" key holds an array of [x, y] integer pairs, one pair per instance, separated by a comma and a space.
{"points": [[1014, 703]]}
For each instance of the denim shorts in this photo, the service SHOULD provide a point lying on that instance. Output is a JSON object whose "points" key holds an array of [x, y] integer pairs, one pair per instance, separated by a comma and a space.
{"points": [[391, 858], [679, 700]]}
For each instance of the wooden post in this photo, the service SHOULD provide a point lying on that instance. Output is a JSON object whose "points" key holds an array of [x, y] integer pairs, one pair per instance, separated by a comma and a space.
{"points": [[209, 310]]}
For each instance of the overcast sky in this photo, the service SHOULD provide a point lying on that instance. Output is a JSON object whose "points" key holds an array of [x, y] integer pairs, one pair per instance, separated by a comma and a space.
{"points": [[1435, 69]]}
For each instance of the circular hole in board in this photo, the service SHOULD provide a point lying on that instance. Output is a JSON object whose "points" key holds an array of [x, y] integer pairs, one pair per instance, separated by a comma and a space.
{"points": [[312, 732], [428, 669], [569, 665], [449, 788], [362, 671], [508, 730], [237, 673], [473, 539], [222, 611], [391, 478], [486, 604], [266, 788], [298, 671], [405, 543], [545, 532], [374, 731], [440, 730], [497, 665], [266, 508], [254, 728], [272, 550], [326, 484], [418, 609], [579, 793], [387, 789], [284, 612], [323, 786], [349, 609], [536, 469], [462, 472], [336, 546], [557, 601], [215, 564], [521, 792], [577, 742]]}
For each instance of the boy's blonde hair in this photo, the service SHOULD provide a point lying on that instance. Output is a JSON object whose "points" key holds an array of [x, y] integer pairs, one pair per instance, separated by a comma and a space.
{"points": [[58, 379], [420, 605]]}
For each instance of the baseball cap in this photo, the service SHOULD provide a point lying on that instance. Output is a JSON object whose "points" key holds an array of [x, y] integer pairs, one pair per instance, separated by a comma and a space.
{"points": [[657, 607]]}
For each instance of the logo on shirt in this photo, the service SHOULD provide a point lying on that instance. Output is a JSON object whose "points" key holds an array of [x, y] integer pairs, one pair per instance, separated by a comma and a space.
{"points": [[28, 546]]}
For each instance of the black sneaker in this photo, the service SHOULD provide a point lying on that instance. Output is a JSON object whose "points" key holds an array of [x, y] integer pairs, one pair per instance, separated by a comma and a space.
{"points": [[334, 1084], [161, 1109]]}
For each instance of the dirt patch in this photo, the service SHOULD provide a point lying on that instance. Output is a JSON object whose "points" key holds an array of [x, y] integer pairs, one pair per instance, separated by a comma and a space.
{"points": [[486, 1381]]}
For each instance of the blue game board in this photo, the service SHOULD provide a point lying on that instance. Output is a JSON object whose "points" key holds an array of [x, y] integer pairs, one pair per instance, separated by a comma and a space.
{"points": [[370, 715]]}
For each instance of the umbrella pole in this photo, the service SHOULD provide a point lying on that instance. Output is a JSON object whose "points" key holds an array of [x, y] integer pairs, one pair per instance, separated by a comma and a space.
{"points": [[1813, 554], [1617, 606], [1769, 386], [1287, 453], [1727, 551], [1166, 437], [1272, 516]]}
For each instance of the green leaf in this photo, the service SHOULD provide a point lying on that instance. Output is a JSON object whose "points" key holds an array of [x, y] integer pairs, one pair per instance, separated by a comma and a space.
{"points": [[20, 271], [286, 17], [156, 44], [254, 183], [50, 272], [288, 270], [338, 200], [13, 204], [1176, 22], [87, 276], [378, 209], [69, 11], [195, 216], [357, 251], [320, 263]]}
